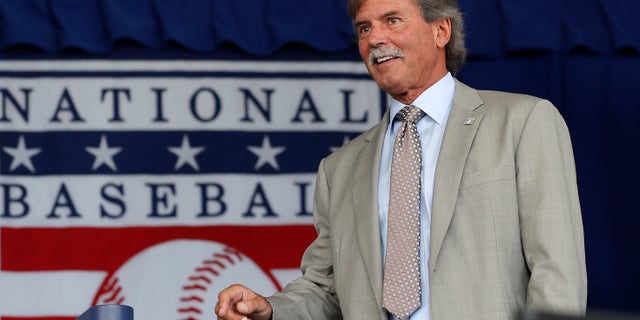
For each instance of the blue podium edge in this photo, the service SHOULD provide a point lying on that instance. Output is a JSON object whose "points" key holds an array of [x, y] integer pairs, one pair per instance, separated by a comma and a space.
{"points": [[108, 312]]}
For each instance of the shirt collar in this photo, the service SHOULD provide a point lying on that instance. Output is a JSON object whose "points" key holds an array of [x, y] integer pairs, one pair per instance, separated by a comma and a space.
{"points": [[435, 101]]}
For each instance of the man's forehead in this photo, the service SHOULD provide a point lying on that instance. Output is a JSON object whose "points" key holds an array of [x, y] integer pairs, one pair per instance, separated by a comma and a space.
{"points": [[380, 8]]}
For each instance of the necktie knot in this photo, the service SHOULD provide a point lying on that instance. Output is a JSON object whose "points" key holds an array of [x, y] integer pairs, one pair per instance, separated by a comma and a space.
{"points": [[410, 114]]}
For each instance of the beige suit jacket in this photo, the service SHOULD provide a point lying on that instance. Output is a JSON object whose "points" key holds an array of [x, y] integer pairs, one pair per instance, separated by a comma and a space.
{"points": [[506, 228]]}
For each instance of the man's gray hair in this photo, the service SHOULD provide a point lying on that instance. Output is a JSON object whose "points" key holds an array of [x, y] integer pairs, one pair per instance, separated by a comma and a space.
{"points": [[434, 10]]}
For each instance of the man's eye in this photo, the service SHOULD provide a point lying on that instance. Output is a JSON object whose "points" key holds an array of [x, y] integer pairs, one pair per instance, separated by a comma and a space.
{"points": [[394, 20], [364, 29]]}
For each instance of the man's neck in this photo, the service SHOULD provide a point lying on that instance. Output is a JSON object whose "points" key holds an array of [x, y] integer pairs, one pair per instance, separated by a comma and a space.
{"points": [[411, 95]]}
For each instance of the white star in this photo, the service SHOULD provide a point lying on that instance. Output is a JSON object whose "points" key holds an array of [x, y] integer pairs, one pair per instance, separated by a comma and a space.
{"points": [[104, 154], [266, 153], [186, 154], [345, 140], [21, 155]]}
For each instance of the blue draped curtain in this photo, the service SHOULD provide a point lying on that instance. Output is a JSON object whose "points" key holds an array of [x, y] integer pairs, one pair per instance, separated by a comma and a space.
{"points": [[583, 55], [495, 28]]}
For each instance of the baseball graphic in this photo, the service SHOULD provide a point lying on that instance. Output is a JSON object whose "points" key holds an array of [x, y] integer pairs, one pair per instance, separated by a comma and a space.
{"points": [[180, 279]]}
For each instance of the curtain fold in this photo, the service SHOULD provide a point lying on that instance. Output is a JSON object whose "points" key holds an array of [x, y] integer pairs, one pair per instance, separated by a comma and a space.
{"points": [[28, 23], [531, 25], [622, 16], [585, 27], [495, 28], [483, 28], [188, 23], [80, 26]]}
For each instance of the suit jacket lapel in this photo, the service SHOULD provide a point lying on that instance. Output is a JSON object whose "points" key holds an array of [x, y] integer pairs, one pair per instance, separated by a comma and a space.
{"points": [[365, 195], [462, 125]]}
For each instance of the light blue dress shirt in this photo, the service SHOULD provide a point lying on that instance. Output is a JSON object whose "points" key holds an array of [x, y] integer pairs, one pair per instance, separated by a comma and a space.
{"points": [[435, 102]]}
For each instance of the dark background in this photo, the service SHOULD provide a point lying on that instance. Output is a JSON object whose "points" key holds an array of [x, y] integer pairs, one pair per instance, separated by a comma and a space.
{"points": [[583, 55]]}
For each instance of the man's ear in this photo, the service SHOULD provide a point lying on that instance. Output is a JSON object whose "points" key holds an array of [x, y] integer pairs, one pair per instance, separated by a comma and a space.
{"points": [[442, 31]]}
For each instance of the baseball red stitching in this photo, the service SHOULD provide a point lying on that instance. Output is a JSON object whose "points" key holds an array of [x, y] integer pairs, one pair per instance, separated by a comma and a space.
{"points": [[110, 292], [199, 282]]}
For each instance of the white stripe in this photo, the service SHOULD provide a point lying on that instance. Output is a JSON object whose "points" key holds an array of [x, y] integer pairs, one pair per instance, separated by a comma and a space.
{"points": [[60, 293], [66, 293], [230, 199], [189, 103]]}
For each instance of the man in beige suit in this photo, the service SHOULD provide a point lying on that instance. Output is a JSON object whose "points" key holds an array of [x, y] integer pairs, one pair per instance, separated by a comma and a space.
{"points": [[500, 216]]}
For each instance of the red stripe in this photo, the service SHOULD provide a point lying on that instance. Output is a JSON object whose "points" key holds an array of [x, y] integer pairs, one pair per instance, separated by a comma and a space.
{"points": [[38, 318], [105, 249]]}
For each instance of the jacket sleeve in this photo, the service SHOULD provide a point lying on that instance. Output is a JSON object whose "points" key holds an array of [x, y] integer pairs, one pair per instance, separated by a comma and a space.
{"points": [[313, 295], [550, 216]]}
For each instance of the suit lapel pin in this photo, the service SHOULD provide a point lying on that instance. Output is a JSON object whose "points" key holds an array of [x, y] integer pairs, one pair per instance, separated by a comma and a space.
{"points": [[469, 121]]}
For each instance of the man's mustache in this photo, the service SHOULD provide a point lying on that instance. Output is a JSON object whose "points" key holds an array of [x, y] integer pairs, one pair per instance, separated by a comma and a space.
{"points": [[382, 52]]}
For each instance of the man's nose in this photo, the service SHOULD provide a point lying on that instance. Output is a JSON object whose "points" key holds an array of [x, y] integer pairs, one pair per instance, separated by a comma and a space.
{"points": [[377, 36]]}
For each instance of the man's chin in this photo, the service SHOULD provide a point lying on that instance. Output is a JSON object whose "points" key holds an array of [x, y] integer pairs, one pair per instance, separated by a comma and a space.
{"points": [[390, 87]]}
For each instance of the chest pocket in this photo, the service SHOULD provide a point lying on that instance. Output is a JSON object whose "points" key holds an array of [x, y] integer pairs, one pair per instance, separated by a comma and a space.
{"points": [[487, 175]]}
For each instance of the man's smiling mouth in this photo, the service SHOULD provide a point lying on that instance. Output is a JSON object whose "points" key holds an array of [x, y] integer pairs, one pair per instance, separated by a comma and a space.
{"points": [[384, 59], [381, 55]]}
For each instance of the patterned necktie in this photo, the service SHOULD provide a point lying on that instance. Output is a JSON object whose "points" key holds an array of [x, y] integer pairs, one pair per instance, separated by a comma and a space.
{"points": [[401, 287]]}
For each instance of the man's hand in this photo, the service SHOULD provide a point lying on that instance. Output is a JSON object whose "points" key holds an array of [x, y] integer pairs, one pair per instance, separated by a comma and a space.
{"points": [[238, 302]]}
